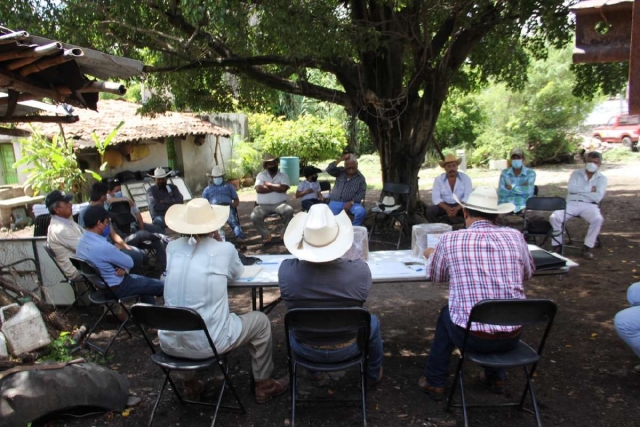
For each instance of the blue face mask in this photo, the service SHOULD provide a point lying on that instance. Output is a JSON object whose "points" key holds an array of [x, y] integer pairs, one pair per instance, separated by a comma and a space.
{"points": [[218, 180], [117, 194], [106, 231], [516, 164]]}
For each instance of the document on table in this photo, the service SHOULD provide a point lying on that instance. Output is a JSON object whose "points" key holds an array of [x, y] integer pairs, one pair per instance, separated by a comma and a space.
{"points": [[432, 240], [250, 272], [390, 269]]}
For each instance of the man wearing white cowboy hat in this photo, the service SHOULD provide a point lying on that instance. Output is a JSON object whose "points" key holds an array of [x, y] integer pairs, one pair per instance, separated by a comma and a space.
{"points": [[199, 268], [271, 186], [161, 197], [223, 193], [444, 207], [318, 276], [481, 262]]}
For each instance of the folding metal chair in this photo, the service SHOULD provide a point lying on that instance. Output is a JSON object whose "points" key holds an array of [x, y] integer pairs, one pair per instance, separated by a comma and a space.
{"points": [[321, 324], [102, 295], [518, 312], [401, 215], [41, 225], [182, 319], [533, 230], [72, 282]]}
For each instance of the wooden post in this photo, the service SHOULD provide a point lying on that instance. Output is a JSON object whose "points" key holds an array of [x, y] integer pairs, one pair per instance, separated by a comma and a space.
{"points": [[40, 119], [634, 61]]}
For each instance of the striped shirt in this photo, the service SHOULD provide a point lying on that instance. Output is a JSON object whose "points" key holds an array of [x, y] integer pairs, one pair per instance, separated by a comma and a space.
{"points": [[481, 262], [347, 189], [222, 194], [522, 187]]}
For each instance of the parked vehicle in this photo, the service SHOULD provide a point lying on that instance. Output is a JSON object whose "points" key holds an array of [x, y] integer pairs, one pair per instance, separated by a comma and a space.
{"points": [[623, 129]]}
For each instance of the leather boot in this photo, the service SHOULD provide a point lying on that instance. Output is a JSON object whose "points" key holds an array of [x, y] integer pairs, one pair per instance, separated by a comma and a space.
{"points": [[267, 389]]}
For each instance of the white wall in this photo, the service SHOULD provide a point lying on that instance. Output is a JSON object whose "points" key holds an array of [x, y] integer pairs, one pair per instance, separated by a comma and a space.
{"points": [[157, 157]]}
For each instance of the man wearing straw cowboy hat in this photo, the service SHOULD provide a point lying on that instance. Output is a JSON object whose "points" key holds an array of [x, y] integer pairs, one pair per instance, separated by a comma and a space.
{"points": [[481, 262], [161, 197], [199, 268], [271, 186], [319, 277], [450, 183], [223, 193]]}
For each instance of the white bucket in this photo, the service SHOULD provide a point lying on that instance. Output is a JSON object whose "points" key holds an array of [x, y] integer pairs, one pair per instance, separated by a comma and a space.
{"points": [[425, 236], [25, 331], [360, 246], [4, 353]]}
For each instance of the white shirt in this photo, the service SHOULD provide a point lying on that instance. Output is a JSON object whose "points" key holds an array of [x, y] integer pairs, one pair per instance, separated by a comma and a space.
{"points": [[63, 236], [580, 186], [442, 190], [305, 185], [272, 198], [197, 278]]}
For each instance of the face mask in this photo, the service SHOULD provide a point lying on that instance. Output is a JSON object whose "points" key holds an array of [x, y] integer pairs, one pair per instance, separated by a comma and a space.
{"points": [[106, 231], [218, 180], [273, 170], [117, 194], [517, 164], [591, 167], [314, 178]]}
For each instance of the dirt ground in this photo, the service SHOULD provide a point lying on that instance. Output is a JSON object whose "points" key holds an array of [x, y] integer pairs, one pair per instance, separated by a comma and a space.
{"points": [[585, 379]]}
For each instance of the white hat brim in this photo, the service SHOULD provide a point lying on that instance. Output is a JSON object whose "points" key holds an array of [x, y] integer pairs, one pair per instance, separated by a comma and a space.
{"points": [[159, 176], [175, 218], [334, 250], [499, 210]]}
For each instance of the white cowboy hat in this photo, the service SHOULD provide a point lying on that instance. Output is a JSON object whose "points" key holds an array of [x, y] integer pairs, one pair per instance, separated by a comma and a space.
{"points": [[216, 171], [196, 217], [159, 173], [449, 158], [484, 199], [318, 235], [388, 204]]}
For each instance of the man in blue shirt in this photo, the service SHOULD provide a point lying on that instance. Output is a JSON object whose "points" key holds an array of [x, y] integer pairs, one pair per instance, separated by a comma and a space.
{"points": [[517, 183], [113, 265], [223, 193]]}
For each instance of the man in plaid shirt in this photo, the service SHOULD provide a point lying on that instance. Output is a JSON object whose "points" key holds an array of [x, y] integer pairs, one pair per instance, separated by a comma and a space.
{"points": [[483, 261]]}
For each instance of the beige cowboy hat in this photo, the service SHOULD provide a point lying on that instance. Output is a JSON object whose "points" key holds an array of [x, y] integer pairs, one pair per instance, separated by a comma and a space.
{"points": [[449, 158], [159, 173], [388, 204], [266, 157], [196, 217], [319, 235], [485, 199], [216, 171]]}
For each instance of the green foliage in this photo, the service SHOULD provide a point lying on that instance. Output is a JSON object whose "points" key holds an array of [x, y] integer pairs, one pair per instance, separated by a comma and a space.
{"points": [[620, 154], [60, 349], [460, 122], [309, 138], [246, 160]]}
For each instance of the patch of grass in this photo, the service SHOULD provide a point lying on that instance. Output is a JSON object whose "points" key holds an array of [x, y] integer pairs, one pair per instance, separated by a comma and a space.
{"points": [[620, 154]]}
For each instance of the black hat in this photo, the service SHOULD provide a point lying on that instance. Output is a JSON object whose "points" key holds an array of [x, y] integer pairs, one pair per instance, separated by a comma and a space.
{"points": [[95, 214], [310, 170], [57, 196]]}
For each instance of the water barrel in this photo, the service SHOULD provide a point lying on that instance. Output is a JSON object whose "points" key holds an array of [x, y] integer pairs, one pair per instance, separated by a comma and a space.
{"points": [[291, 166]]}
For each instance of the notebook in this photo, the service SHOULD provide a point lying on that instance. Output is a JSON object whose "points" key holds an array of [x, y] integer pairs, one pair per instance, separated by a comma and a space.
{"points": [[250, 272], [546, 261]]}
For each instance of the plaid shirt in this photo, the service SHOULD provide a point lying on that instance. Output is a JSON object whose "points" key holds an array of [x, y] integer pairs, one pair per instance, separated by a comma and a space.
{"points": [[481, 262], [220, 194], [347, 189], [522, 187]]}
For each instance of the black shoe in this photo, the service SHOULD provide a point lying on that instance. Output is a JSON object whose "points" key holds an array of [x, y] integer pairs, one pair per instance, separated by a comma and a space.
{"points": [[587, 253]]}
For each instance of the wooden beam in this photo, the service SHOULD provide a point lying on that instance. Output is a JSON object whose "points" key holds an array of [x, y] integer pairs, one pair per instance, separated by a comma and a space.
{"points": [[21, 85], [14, 132], [12, 37], [13, 102], [40, 119]]}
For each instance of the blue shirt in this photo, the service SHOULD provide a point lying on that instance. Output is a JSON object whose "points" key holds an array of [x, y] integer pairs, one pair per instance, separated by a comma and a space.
{"points": [[522, 187], [104, 255], [220, 194]]}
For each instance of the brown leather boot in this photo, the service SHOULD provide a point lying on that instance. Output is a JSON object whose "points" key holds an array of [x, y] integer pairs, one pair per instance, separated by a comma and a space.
{"points": [[267, 389]]}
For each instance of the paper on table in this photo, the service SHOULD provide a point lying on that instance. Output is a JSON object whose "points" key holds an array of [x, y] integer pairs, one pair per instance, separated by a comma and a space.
{"points": [[432, 240], [390, 269], [250, 271]]}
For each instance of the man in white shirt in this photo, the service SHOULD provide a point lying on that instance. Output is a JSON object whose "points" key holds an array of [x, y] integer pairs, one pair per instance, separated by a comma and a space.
{"points": [[586, 189], [63, 234], [444, 207], [271, 186]]}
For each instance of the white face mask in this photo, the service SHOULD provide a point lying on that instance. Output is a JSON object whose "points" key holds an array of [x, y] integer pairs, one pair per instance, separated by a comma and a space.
{"points": [[591, 167]]}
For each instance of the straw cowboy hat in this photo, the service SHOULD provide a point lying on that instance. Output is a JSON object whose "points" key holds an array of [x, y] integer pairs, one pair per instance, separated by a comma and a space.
{"points": [[485, 199], [196, 217], [449, 158], [216, 171], [159, 173], [268, 158], [388, 204], [319, 235]]}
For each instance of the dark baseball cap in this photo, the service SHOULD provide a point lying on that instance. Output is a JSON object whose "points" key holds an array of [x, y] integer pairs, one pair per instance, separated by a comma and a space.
{"points": [[95, 214], [310, 170], [57, 196]]}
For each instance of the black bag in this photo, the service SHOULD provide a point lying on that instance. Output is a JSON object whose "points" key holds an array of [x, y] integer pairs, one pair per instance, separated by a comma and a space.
{"points": [[249, 260], [539, 226]]}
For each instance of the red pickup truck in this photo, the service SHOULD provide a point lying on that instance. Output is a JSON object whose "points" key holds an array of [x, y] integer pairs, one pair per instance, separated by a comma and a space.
{"points": [[624, 129]]}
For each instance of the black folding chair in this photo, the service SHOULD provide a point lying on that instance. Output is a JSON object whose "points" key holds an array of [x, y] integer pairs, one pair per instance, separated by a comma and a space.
{"points": [[102, 295], [322, 324], [401, 215], [41, 225], [121, 216], [74, 283], [541, 228], [518, 312], [180, 319]]}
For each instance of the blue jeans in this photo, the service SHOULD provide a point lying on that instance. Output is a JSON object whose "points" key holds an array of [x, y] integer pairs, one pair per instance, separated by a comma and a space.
{"points": [[356, 210], [234, 223], [158, 221], [449, 335], [627, 321], [145, 287], [320, 355], [138, 258], [306, 204]]}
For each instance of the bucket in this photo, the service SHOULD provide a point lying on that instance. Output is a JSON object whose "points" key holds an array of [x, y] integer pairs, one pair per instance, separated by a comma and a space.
{"points": [[425, 236], [360, 246], [291, 166], [25, 331]]}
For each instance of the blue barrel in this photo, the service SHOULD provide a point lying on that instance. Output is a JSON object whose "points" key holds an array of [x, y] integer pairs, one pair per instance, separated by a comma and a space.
{"points": [[291, 166]]}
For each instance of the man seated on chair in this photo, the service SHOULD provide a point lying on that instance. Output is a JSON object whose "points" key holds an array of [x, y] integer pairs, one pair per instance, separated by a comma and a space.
{"points": [[114, 195], [451, 182], [586, 189], [309, 191], [350, 188], [161, 197], [222, 193], [200, 267], [63, 234], [319, 277], [517, 183], [271, 186], [483, 261], [113, 265]]}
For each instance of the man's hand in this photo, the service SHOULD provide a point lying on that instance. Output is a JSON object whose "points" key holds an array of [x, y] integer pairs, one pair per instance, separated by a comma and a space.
{"points": [[348, 206], [235, 203], [526, 184], [428, 252], [120, 271], [452, 212], [309, 191], [508, 187]]}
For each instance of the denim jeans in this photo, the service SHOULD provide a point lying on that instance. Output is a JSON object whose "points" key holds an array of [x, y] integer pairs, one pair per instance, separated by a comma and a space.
{"points": [[158, 221], [145, 287], [234, 223], [449, 335], [357, 210], [306, 204], [627, 321], [320, 355], [144, 239], [138, 259]]}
